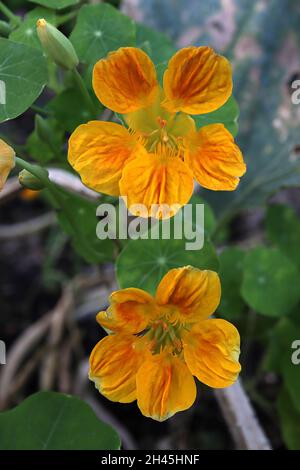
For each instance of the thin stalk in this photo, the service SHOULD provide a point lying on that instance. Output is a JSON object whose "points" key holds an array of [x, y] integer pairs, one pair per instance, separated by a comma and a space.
{"points": [[83, 90], [16, 20]]}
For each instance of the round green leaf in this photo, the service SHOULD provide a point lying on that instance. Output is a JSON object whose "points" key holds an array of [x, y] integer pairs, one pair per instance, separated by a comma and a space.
{"points": [[23, 75], [55, 4], [231, 270], [283, 229], [143, 263], [100, 29], [271, 282], [54, 421]]}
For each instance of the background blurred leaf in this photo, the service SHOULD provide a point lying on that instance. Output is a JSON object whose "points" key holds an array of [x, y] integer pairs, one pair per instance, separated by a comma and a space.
{"points": [[231, 272], [70, 109], [99, 30], [23, 69], [54, 421], [40, 150], [283, 229], [143, 263], [82, 230], [56, 4], [157, 45], [228, 115], [270, 282], [290, 421], [26, 32]]}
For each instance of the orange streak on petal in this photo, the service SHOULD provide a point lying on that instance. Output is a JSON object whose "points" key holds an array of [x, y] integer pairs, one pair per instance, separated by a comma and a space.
{"points": [[164, 386], [215, 159], [126, 80], [197, 81], [211, 351]]}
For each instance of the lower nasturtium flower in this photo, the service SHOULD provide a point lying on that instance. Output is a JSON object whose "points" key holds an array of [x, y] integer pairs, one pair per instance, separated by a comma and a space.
{"points": [[155, 160], [157, 344], [7, 162]]}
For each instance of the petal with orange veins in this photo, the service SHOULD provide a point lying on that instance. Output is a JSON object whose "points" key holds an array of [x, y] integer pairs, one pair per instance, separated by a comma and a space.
{"points": [[114, 363], [194, 293], [197, 81], [160, 182], [164, 386], [98, 151], [215, 159], [130, 311], [126, 80], [211, 351]]}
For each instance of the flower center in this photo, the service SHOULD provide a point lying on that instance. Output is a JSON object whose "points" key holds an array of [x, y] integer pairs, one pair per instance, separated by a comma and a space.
{"points": [[162, 334]]}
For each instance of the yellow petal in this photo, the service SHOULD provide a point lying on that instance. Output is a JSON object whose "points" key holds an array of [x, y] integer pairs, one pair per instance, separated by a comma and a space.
{"points": [[126, 80], [161, 182], [211, 351], [197, 81], [164, 387], [196, 293], [114, 363], [98, 151], [7, 162], [130, 311], [215, 159]]}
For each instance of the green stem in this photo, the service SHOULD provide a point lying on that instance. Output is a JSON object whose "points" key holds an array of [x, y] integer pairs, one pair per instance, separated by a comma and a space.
{"points": [[83, 90], [65, 18], [40, 110], [10, 15]]}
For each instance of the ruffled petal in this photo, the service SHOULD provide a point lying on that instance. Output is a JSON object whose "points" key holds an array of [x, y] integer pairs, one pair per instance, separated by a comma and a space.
{"points": [[126, 80], [130, 311], [197, 81], [194, 293], [215, 159], [164, 386], [211, 351], [114, 363], [98, 151], [161, 182]]}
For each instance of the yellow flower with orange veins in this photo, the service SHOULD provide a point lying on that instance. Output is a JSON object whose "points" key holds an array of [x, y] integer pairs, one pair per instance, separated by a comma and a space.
{"points": [[155, 160], [7, 162], [159, 344]]}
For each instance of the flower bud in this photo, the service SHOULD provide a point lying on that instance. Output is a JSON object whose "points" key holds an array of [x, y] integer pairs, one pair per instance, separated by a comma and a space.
{"points": [[56, 45], [29, 181], [7, 162]]}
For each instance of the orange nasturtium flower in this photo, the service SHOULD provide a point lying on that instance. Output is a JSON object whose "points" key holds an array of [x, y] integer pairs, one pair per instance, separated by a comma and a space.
{"points": [[155, 160], [159, 343]]}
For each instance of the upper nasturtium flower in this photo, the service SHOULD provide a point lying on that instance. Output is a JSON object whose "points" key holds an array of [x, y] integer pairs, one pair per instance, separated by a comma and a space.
{"points": [[7, 162], [155, 160], [159, 343]]}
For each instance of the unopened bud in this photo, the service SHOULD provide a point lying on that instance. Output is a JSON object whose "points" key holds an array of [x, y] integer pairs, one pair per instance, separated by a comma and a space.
{"points": [[56, 45], [29, 181], [7, 162]]}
